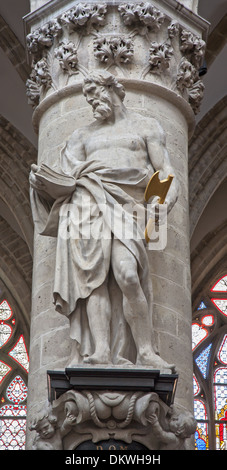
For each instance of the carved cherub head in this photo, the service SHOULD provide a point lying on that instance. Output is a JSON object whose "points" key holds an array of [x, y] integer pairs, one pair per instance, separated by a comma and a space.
{"points": [[45, 425], [183, 425]]}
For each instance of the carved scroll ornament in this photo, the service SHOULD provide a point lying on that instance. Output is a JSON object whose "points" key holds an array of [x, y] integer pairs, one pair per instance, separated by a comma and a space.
{"points": [[89, 415]]}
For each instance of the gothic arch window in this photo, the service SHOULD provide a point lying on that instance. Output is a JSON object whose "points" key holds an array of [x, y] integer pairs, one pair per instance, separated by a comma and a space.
{"points": [[14, 364], [209, 345]]}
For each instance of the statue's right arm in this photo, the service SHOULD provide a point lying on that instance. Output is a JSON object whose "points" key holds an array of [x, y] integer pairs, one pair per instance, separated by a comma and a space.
{"points": [[74, 151]]}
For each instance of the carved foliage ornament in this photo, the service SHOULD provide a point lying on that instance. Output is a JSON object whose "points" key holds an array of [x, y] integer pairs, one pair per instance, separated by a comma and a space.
{"points": [[84, 14], [194, 46], [66, 53], [160, 55], [188, 80], [113, 50], [144, 13]]}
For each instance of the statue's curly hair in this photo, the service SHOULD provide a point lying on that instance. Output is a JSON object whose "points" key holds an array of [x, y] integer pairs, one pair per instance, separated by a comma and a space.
{"points": [[105, 79]]}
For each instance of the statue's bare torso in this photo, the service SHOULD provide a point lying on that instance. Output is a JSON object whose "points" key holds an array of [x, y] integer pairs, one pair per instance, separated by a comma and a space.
{"points": [[122, 144]]}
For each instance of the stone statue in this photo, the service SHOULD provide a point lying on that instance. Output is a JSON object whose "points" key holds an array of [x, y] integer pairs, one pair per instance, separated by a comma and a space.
{"points": [[101, 276]]}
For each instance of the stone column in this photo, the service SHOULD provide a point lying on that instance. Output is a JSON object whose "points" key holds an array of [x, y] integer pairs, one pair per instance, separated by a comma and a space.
{"points": [[155, 50]]}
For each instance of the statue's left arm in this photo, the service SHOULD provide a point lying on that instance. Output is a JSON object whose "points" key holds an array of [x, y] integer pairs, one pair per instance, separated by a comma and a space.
{"points": [[160, 161]]}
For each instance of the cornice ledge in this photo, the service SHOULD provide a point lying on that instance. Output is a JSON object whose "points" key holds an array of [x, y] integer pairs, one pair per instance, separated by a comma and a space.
{"points": [[56, 7]]}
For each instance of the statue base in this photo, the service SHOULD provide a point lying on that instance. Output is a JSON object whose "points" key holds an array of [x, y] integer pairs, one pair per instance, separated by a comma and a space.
{"points": [[111, 409], [119, 379]]}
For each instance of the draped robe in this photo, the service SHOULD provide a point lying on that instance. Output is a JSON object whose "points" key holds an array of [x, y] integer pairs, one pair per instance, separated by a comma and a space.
{"points": [[83, 260]]}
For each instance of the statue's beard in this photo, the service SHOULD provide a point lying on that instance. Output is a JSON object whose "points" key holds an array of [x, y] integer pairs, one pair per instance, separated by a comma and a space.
{"points": [[102, 108]]}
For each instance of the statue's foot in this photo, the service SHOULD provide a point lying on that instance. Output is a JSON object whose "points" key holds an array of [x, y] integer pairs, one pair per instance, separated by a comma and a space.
{"points": [[121, 361], [155, 361], [97, 359]]}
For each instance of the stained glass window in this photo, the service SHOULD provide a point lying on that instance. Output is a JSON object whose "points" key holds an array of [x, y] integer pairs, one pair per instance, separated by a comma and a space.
{"points": [[209, 345], [201, 306], [14, 364], [202, 360], [221, 285]]}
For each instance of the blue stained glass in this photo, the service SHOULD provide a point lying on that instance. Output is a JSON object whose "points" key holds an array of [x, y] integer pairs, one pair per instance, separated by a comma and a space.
{"points": [[201, 306], [202, 360], [200, 443]]}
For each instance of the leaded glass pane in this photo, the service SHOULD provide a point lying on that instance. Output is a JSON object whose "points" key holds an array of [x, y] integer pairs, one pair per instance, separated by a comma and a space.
{"points": [[201, 437], [221, 304], [12, 434], [200, 410], [19, 353], [4, 369], [221, 285], [199, 333], [221, 435], [13, 410], [222, 353], [5, 311], [5, 333], [202, 360], [201, 306], [196, 387], [208, 320], [17, 390]]}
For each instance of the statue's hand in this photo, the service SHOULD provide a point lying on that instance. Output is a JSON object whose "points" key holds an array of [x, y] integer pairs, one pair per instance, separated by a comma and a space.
{"points": [[158, 212], [153, 419], [34, 182]]}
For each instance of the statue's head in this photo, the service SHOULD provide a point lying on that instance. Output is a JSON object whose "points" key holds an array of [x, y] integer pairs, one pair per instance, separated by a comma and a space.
{"points": [[45, 425], [102, 91], [183, 425]]}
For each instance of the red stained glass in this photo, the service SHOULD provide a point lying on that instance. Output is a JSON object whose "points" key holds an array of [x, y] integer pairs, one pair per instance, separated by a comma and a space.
{"points": [[17, 390], [4, 370], [221, 305], [220, 285]]}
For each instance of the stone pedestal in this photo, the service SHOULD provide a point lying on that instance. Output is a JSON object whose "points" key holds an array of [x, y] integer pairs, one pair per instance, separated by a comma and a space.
{"points": [[155, 50]]}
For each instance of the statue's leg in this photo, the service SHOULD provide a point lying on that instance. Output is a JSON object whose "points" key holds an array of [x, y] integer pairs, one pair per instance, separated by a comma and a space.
{"points": [[99, 313], [135, 306]]}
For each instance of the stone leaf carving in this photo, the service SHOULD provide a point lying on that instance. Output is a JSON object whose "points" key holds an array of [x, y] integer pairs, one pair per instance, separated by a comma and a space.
{"points": [[33, 89], [100, 415], [78, 16], [194, 46], [84, 14], [196, 95], [66, 53], [187, 75], [113, 50], [43, 37], [160, 55], [42, 74], [173, 29], [40, 79], [144, 13]]}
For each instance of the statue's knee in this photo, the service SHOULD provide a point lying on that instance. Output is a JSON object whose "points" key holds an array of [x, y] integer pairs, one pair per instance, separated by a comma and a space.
{"points": [[128, 279]]}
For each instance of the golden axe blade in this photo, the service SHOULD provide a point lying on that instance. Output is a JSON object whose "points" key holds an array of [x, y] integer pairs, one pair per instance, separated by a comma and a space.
{"points": [[155, 187]]}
